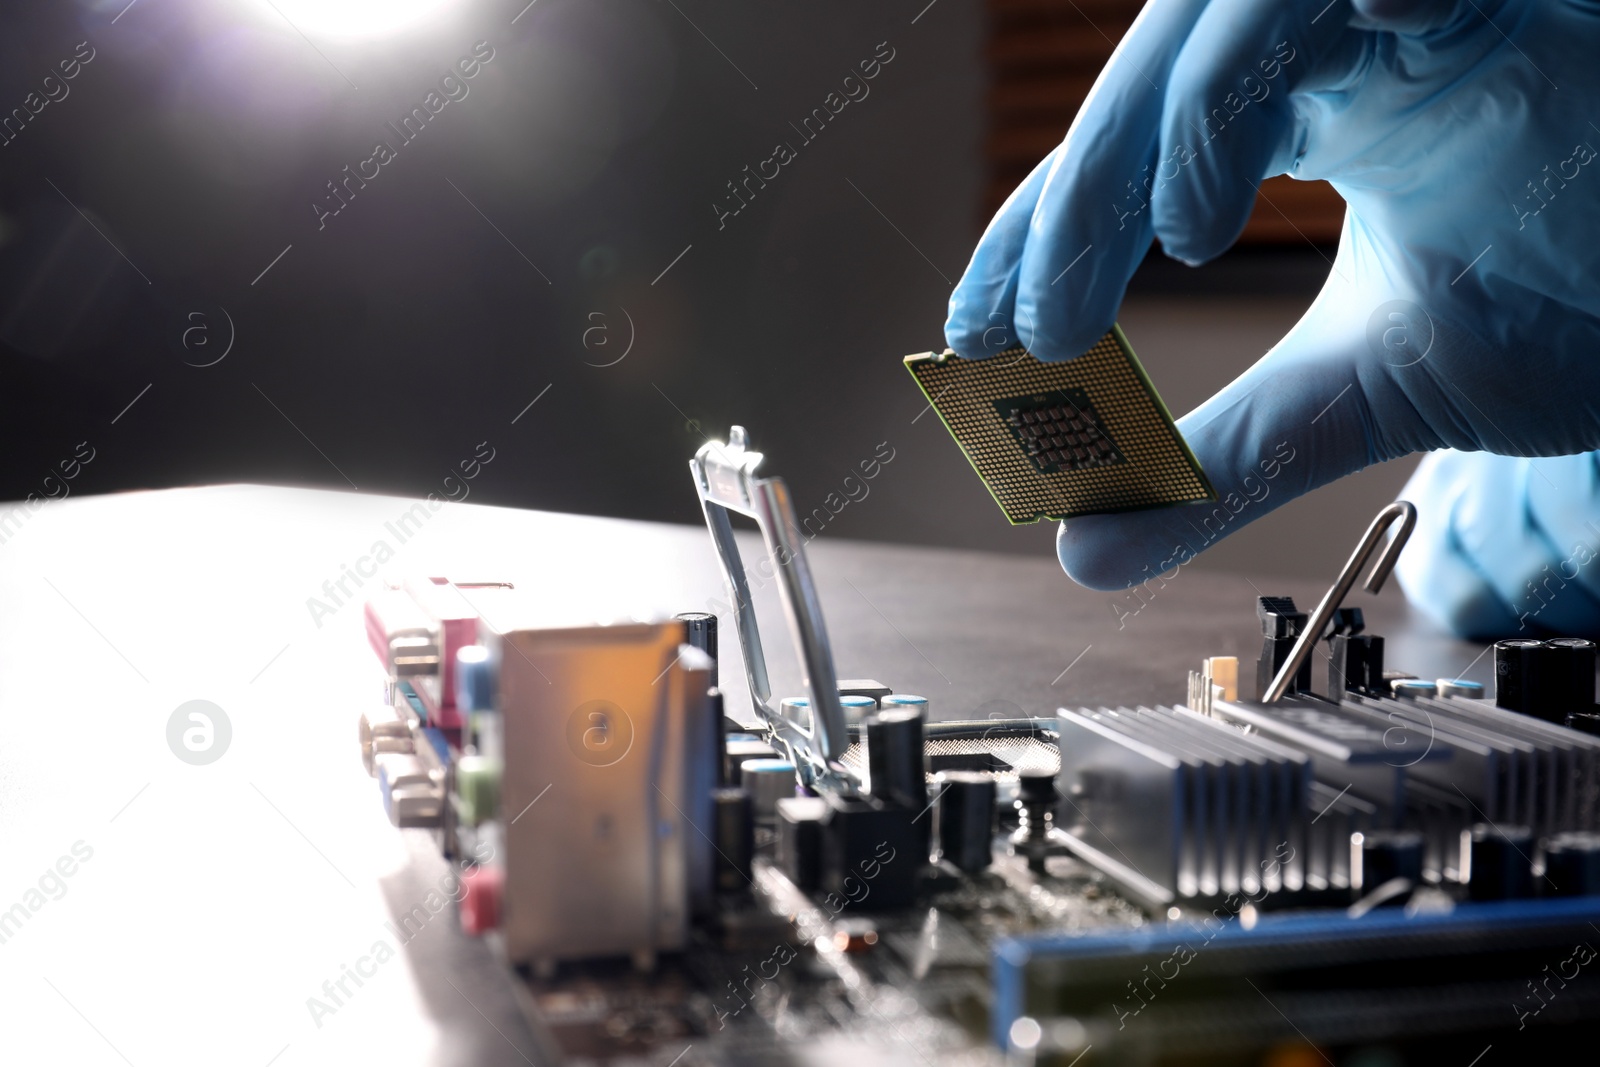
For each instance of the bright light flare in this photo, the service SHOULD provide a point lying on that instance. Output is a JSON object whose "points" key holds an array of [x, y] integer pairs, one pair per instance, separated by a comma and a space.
{"points": [[357, 18]]}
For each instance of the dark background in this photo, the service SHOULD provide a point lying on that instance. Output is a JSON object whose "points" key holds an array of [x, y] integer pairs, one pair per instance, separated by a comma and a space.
{"points": [[381, 349]]}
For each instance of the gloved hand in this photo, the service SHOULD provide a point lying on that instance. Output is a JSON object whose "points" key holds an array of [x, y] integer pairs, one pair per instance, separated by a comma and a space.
{"points": [[1461, 309], [1506, 547]]}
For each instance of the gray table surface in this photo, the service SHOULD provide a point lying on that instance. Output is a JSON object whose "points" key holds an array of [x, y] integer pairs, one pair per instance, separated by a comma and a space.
{"points": [[219, 898]]}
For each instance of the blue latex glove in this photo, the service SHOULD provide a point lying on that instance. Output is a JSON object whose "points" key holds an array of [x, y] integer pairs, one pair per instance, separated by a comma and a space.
{"points": [[1461, 308], [1506, 547]]}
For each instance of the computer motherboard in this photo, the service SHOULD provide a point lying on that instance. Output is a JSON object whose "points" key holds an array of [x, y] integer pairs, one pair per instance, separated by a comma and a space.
{"points": [[1364, 868]]}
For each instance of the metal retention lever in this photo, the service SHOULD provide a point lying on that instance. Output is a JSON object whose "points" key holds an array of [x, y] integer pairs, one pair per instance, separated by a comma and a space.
{"points": [[725, 476], [1406, 513]]}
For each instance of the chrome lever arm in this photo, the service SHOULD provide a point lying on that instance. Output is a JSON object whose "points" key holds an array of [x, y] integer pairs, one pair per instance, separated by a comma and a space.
{"points": [[1401, 510]]}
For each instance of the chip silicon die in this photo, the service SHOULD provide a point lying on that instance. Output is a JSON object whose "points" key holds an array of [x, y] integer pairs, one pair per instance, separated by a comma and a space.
{"points": [[1057, 440]]}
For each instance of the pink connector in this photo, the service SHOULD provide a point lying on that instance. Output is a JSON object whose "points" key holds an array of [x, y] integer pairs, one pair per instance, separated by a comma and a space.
{"points": [[401, 633], [457, 627], [483, 888], [416, 630]]}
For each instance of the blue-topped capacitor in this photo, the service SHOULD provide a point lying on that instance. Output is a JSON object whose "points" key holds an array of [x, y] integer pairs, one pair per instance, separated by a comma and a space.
{"points": [[1412, 688], [857, 708], [735, 753], [906, 700], [767, 781], [475, 679], [796, 710], [1460, 687]]}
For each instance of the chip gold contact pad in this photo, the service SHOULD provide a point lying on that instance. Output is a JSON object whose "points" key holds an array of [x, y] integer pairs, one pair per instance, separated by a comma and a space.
{"points": [[1058, 440]]}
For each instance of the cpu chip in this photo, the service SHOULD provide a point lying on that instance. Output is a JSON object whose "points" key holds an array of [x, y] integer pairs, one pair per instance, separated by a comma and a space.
{"points": [[1058, 440]]}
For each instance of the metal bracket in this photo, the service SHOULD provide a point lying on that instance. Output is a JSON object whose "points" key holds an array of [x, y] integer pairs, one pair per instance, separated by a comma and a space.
{"points": [[725, 477], [1401, 511]]}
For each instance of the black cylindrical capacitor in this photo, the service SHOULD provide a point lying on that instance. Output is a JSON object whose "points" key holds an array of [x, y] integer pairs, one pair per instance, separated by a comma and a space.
{"points": [[1566, 682], [719, 736], [1512, 660], [967, 819], [734, 835], [1379, 856], [1572, 864], [1497, 862], [896, 758], [702, 629]]}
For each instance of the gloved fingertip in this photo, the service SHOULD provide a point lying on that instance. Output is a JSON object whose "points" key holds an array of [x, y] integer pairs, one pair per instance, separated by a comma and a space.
{"points": [[1193, 230], [1063, 317], [976, 326], [1097, 552]]}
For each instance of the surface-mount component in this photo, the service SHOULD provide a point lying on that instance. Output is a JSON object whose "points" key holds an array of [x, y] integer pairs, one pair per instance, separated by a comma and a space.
{"points": [[800, 839], [966, 819], [1056, 440]]}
